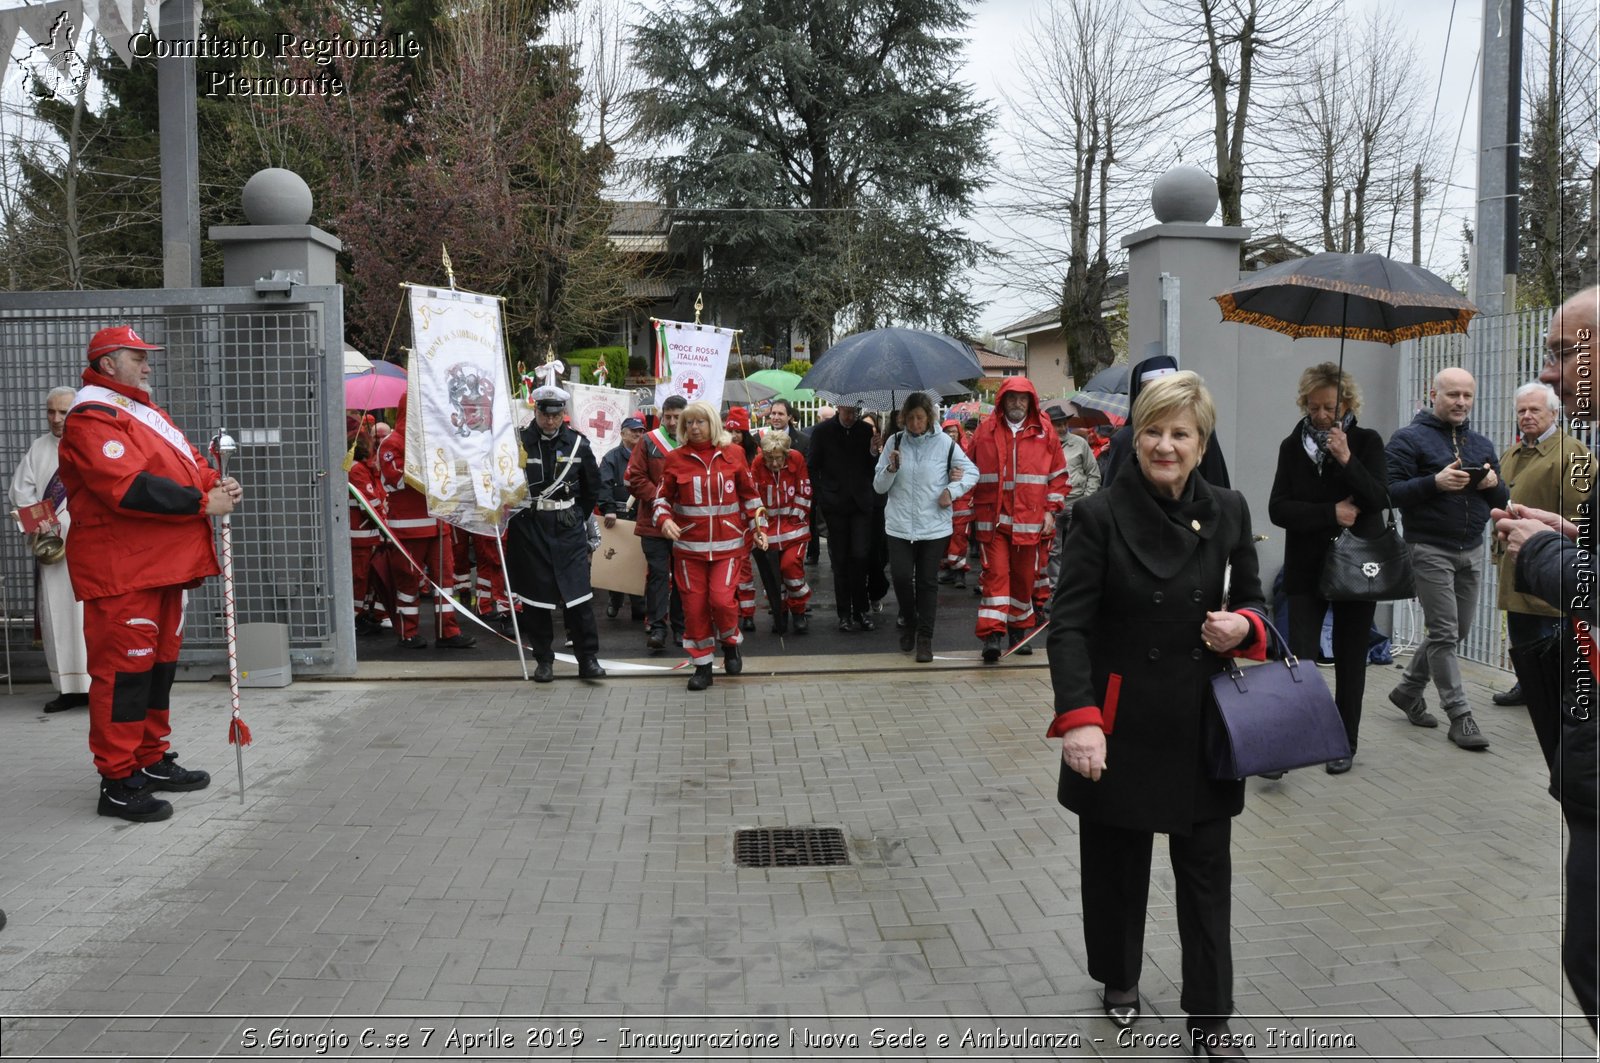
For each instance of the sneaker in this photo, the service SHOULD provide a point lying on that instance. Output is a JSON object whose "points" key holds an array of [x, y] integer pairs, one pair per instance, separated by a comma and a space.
{"points": [[846, 624], [132, 798], [415, 642], [1464, 732], [165, 774], [1416, 709], [459, 641], [865, 622], [1324, 662]]}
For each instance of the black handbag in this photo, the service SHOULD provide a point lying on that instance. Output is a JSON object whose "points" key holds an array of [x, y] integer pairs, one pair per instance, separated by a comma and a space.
{"points": [[1272, 717], [1368, 570]]}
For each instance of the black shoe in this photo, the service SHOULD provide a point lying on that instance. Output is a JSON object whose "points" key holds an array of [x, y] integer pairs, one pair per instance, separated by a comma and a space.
{"points": [[865, 622], [924, 649], [1124, 1010], [946, 576], [132, 798], [589, 668], [846, 624], [780, 623], [991, 649], [1324, 662], [459, 641], [415, 642], [366, 626], [899, 621], [908, 639], [1339, 765], [802, 623], [732, 662], [747, 623], [961, 579], [165, 774], [1016, 635], [1514, 696], [544, 672], [612, 609], [701, 678], [657, 638], [1273, 775], [63, 702]]}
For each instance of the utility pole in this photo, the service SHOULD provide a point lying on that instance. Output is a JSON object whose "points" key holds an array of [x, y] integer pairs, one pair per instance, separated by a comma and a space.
{"points": [[1416, 215], [180, 150], [1494, 262]]}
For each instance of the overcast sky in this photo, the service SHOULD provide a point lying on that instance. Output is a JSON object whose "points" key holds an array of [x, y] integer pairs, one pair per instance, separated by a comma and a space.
{"points": [[998, 35]]}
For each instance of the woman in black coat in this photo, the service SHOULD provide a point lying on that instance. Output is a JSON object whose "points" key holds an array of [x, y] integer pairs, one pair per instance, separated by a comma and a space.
{"points": [[1159, 584], [1331, 476]]}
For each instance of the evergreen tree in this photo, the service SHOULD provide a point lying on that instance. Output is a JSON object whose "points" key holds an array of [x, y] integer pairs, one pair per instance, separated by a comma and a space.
{"points": [[827, 149], [1555, 229]]}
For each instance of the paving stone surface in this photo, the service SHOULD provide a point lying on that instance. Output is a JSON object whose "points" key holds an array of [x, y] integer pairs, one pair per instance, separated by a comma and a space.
{"points": [[509, 861]]}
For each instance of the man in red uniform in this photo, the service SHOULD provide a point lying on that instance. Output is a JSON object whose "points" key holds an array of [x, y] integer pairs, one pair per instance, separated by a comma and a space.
{"points": [[418, 532], [364, 534], [1022, 485], [662, 600], [141, 536]]}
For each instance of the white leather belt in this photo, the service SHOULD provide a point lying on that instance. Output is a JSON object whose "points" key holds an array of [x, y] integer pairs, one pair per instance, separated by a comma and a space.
{"points": [[545, 505]]}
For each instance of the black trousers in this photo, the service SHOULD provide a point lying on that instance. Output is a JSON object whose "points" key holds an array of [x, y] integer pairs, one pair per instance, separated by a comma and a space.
{"points": [[660, 596], [766, 562], [1114, 864], [1352, 628], [540, 626], [849, 544], [1524, 629], [1580, 943], [914, 569]]}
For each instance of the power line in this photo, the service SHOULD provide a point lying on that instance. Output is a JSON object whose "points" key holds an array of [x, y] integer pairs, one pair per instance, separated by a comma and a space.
{"points": [[1456, 152]]}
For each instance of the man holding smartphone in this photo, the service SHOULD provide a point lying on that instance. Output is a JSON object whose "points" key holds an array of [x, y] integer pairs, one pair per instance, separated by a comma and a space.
{"points": [[1445, 479]]}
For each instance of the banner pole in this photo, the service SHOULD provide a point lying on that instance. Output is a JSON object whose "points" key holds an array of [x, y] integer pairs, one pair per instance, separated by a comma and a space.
{"points": [[511, 602]]}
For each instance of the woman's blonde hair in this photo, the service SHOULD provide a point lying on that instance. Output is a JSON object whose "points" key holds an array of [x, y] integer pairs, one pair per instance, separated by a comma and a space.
{"points": [[707, 412], [775, 444], [1328, 375], [1173, 395]]}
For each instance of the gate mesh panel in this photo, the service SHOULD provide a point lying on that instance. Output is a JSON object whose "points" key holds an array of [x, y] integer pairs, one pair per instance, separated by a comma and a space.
{"points": [[268, 372]]}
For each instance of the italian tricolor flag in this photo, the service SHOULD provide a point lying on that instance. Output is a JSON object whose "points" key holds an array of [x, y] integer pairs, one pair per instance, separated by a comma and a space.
{"points": [[663, 352]]}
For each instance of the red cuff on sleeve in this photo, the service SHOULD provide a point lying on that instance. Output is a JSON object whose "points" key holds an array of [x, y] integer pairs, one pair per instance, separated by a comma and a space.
{"points": [[1066, 721], [1252, 649]]}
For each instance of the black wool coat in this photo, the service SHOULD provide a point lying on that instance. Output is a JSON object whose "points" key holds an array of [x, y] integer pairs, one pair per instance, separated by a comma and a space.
{"points": [[1303, 499], [1125, 636], [842, 465]]}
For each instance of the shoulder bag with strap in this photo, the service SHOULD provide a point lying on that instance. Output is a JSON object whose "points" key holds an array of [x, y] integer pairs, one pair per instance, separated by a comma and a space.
{"points": [[1368, 570]]}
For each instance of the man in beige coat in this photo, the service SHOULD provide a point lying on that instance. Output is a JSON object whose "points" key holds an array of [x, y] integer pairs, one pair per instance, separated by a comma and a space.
{"points": [[1535, 468]]}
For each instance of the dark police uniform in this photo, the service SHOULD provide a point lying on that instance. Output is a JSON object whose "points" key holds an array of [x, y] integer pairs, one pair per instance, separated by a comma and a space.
{"points": [[548, 549]]}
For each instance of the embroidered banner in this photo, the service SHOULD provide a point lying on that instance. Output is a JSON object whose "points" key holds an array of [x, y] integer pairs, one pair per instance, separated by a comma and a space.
{"points": [[598, 412], [696, 357], [462, 450]]}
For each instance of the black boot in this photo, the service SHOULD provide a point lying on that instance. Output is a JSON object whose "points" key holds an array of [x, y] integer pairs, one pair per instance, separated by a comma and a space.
{"points": [[732, 663], [802, 623], [1016, 635], [544, 672], [701, 678], [924, 649], [589, 668], [991, 648]]}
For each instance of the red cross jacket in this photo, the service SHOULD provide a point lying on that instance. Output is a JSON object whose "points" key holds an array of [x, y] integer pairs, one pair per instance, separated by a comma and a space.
{"points": [[366, 481], [787, 496], [408, 508], [138, 501], [708, 492], [1022, 475]]}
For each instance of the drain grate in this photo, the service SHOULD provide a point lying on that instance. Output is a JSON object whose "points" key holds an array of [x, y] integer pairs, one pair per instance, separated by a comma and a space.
{"points": [[790, 847]]}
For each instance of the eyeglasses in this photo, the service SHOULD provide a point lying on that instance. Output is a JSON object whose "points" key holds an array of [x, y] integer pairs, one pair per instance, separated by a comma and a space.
{"points": [[1557, 356]]}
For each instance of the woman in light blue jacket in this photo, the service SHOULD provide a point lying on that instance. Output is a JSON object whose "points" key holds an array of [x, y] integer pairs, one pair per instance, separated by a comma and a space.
{"points": [[922, 471]]}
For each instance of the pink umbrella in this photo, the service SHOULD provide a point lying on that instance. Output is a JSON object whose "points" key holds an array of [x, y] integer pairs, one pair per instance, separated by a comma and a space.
{"points": [[377, 388]]}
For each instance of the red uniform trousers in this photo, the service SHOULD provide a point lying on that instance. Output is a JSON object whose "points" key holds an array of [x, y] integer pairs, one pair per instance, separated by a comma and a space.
{"points": [[362, 546], [1042, 587], [1006, 585], [792, 570], [408, 583], [710, 604], [955, 555], [747, 585], [489, 588], [132, 641]]}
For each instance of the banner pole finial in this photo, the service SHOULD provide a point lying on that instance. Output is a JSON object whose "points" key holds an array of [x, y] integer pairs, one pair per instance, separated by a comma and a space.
{"points": [[699, 305], [449, 270]]}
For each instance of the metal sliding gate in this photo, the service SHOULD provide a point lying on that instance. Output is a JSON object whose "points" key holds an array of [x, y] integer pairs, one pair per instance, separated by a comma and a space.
{"points": [[268, 367]]}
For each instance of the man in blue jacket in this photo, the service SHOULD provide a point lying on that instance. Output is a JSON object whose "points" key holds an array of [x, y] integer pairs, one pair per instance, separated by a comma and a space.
{"points": [[1445, 479]]}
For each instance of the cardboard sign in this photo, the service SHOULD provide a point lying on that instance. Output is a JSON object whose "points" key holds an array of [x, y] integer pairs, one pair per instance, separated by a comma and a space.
{"points": [[618, 564], [32, 517]]}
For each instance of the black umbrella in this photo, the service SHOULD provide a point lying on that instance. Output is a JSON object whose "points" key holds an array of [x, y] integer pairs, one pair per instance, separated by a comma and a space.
{"points": [[893, 362], [1106, 391], [1355, 297]]}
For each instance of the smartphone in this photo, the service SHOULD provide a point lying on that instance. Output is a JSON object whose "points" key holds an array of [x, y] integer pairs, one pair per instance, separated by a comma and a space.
{"points": [[1477, 474]]}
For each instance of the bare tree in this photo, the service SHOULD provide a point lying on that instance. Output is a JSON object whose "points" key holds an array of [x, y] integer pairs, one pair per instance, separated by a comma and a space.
{"points": [[1229, 54], [1083, 125]]}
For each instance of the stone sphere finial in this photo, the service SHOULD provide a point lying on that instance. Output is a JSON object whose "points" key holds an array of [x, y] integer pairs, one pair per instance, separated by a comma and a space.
{"points": [[276, 196], [1184, 193]]}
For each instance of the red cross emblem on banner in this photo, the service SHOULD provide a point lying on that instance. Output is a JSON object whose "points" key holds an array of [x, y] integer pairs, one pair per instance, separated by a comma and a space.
{"points": [[691, 386], [600, 422]]}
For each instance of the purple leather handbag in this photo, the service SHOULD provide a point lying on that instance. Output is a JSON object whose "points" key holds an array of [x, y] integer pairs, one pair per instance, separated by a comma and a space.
{"points": [[1272, 717]]}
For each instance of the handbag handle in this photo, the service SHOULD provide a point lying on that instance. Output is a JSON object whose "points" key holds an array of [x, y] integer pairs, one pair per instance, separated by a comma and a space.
{"points": [[1289, 659]]}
